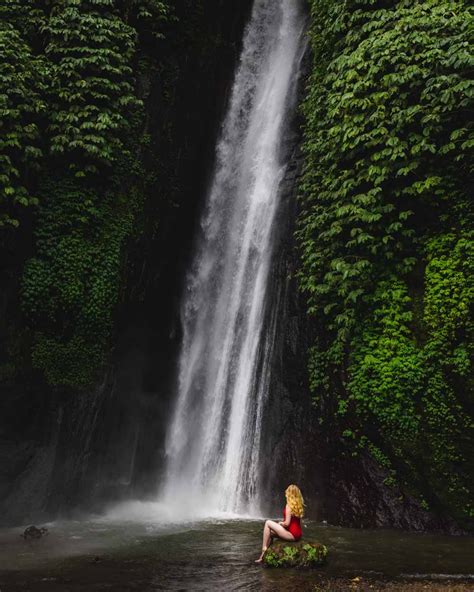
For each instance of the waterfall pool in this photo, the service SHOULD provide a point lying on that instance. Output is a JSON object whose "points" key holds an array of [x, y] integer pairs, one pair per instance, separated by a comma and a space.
{"points": [[218, 554]]}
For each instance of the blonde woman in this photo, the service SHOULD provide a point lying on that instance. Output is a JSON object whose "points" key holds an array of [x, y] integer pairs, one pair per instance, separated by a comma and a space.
{"points": [[289, 529]]}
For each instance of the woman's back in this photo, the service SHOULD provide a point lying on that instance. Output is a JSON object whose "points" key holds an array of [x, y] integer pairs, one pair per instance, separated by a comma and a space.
{"points": [[295, 525]]}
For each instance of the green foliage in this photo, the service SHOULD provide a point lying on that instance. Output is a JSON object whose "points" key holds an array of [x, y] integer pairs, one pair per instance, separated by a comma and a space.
{"points": [[89, 49], [67, 93], [69, 110], [147, 16], [314, 553], [387, 136], [25, 16], [297, 554], [290, 552], [21, 84], [408, 389], [71, 286], [447, 357], [384, 232], [385, 370]]}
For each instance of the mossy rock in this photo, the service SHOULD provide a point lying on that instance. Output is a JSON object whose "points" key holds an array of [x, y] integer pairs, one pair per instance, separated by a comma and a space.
{"points": [[300, 554]]}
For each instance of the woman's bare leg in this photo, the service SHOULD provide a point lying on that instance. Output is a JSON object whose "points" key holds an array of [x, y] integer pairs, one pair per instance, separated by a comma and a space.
{"points": [[273, 528], [280, 531], [267, 537]]}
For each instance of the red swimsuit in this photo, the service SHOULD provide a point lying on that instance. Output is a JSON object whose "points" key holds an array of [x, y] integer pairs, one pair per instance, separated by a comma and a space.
{"points": [[295, 525]]}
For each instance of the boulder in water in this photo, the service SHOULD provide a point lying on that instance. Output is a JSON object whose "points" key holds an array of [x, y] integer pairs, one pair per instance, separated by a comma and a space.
{"points": [[32, 532], [300, 554]]}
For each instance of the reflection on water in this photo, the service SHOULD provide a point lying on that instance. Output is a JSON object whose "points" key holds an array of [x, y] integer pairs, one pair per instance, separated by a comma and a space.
{"points": [[208, 555]]}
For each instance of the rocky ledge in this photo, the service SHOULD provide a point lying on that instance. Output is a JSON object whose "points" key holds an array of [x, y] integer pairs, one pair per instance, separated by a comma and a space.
{"points": [[300, 554]]}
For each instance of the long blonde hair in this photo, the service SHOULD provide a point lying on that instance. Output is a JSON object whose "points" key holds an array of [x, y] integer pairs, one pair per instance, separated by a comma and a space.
{"points": [[295, 500]]}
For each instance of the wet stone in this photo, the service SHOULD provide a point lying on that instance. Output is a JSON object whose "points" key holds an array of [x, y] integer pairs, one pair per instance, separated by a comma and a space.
{"points": [[32, 532]]}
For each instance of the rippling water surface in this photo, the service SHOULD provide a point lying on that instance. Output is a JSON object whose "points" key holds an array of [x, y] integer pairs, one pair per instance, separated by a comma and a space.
{"points": [[209, 555]]}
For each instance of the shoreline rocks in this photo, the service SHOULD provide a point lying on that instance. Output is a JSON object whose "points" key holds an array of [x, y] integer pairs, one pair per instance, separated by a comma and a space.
{"points": [[33, 532]]}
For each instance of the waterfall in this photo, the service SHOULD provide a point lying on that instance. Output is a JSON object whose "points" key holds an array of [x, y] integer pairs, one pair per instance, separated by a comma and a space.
{"points": [[213, 440]]}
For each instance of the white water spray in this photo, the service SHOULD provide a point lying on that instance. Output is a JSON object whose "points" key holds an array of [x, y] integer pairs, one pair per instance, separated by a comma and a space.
{"points": [[213, 442]]}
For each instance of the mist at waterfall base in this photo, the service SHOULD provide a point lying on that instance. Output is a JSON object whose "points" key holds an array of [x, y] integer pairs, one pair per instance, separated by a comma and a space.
{"points": [[213, 440]]}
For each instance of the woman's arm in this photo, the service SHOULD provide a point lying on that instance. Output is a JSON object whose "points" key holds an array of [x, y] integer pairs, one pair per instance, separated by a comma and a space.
{"points": [[287, 520]]}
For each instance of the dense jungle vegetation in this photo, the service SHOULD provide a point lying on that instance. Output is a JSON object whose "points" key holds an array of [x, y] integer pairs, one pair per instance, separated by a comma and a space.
{"points": [[73, 145], [386, 238], [385, 231]]}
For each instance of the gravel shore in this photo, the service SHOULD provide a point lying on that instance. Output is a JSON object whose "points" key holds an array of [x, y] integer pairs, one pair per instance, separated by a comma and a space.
{"points": [[367, 585]]}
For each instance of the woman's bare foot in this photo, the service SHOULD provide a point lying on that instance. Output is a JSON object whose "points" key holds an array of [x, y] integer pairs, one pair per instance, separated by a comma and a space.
{"points": [[260, 559]]}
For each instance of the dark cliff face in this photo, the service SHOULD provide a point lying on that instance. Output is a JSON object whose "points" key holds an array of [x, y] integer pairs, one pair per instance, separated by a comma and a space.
{"points": [[65, 451]]}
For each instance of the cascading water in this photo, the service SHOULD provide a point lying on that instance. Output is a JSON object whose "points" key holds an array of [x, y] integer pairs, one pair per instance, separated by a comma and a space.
{"points": [[212, 445]]}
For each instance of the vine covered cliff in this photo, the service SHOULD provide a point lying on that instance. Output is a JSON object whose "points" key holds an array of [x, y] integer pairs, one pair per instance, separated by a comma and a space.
{"points": [[385, 235]]}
